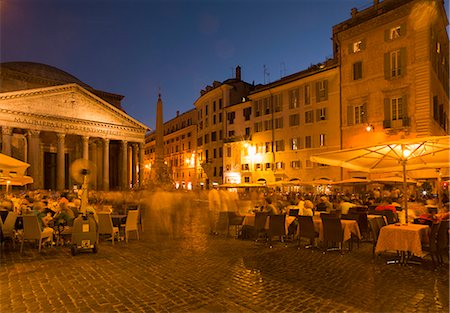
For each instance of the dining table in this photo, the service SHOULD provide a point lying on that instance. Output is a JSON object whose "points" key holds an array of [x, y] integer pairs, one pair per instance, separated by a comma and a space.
{"points": [[405, 238]]}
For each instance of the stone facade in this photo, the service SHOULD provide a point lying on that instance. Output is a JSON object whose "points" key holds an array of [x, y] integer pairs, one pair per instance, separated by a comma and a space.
{"points": [[51, 126]]}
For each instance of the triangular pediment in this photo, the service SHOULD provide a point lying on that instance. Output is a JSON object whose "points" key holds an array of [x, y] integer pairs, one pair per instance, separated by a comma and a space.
{"points": [[68, 102]]}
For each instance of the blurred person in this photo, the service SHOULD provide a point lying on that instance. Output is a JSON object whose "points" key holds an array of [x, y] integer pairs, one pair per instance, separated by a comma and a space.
{"points": [[270, 208], [345, 205]]}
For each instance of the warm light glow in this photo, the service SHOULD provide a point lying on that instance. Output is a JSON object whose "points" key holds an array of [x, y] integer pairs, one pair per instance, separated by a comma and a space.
{"points": [[369, 128], [406, 153]]}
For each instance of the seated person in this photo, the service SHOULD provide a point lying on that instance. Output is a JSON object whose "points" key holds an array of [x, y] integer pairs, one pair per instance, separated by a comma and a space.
{"points": [[386, 204], [292, 206], [307, 209], [270, 208]]}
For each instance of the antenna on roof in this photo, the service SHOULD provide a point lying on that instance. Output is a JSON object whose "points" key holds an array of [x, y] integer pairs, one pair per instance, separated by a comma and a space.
{"points": [[266, 73], [282, 70]]}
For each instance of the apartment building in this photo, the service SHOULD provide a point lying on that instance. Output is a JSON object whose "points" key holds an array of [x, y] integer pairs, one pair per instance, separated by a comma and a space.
{"points": [[212, 121], [179, 149], [393, 60], [388, 79]]}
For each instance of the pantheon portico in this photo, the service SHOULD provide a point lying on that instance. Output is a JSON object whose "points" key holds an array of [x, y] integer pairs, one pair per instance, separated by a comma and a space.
{"points": [[49, 118]]}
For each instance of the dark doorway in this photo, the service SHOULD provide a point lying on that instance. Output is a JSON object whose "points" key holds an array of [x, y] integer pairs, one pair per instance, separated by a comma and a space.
{"points": [[50, 170]]}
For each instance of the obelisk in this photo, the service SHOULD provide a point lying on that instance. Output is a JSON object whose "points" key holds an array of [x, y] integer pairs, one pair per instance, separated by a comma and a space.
{"points": [[160, 176], [159, 146]]}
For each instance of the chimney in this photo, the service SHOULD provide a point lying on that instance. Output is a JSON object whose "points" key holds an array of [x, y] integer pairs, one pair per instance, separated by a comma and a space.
{"points": [[354, 12], [238, 72], [178, 113]]}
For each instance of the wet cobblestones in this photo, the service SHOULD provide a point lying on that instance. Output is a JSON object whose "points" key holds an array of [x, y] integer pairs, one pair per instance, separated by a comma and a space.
{"points": [[196, 272]]}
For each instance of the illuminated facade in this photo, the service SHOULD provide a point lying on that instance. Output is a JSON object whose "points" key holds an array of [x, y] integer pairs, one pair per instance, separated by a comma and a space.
{"points": [[394, 72], [180, 153], [388, 79], [212, 123], [49, 119], [285, 122]]}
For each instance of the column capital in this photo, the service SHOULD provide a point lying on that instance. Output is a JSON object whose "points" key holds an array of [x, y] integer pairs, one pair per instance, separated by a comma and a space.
{"points": [[60, 136], [141, 145], [106, 140], [7, 130], [33, 133], [85, 138]]}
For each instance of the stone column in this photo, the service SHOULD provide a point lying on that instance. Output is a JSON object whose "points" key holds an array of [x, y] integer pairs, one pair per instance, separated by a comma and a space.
{"points": [[141, 164], [124, 169], [60, 168], [33, 156], [99, 163], [135, 164], [93, 153], [6, 140], [85, 147], [105, 164]]}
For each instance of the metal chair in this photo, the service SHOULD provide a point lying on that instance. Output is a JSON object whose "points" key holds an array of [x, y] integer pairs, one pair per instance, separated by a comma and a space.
{"points": [[131, 224], [260, 225], [277, 227], [235, 221], [332, 232], [8, 230], [105, 226], [32, 231], [306, 230]]}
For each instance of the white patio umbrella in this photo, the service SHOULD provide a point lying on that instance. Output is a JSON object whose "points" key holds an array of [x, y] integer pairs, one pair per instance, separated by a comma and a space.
{"points": [[394, 179], [399, 156], [11, 165], [351, 181]]}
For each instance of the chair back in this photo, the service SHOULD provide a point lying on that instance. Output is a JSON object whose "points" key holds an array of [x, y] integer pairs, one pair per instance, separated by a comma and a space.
{"points": [[31, 228], [293, 212], [374, 229], [277, 225], [391, 218], [8, 226], [306, 227], [332, 229], [105, 224], [442, 236], [260, 220], [434, 236], [132, 220], [222, 222], [234, 219]]}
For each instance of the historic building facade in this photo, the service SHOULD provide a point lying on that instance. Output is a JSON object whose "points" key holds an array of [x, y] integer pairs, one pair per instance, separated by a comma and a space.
{"points": [[212, 123], [180, 150], [49, 119], [388, 79]]}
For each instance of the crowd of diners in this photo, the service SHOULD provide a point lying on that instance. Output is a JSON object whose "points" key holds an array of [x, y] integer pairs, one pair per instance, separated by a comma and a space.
{"points": [[61, 208], [421, 209]]}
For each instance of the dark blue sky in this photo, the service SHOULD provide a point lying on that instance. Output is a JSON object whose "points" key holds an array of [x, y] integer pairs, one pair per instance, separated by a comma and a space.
{"points": [[133, 48]]}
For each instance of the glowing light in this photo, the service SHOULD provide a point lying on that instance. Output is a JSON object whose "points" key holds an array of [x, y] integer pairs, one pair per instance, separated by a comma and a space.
{"points": [[370, 128], [406, 153]]}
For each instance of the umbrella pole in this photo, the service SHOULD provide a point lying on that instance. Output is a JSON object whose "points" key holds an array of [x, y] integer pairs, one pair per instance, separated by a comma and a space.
{"points": [[405, 189]]}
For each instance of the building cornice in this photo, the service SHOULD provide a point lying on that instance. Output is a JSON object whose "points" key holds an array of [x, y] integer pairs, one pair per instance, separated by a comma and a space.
{"points": [[68, 88]]}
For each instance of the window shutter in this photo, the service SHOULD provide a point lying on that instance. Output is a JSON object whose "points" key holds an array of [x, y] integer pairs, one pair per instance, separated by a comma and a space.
{"points": [[387, 113], [350, 48], [403, 29], [349, 115], [363, 44], [403, 61], [325, 86], [317, 92], [317, 115], [387, 67], [386, 34], [405, 107], [364, 115]]}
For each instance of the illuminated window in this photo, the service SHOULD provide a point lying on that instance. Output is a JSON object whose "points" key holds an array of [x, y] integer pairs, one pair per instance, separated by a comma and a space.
{"points": [[293, 99], [322, 140], [357, 46], [396, 109], [296, 164], [394, 32], [395, 64]]}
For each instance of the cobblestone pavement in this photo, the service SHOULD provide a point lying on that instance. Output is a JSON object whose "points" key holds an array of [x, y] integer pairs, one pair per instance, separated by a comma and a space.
{"points": [[197, 272]]}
